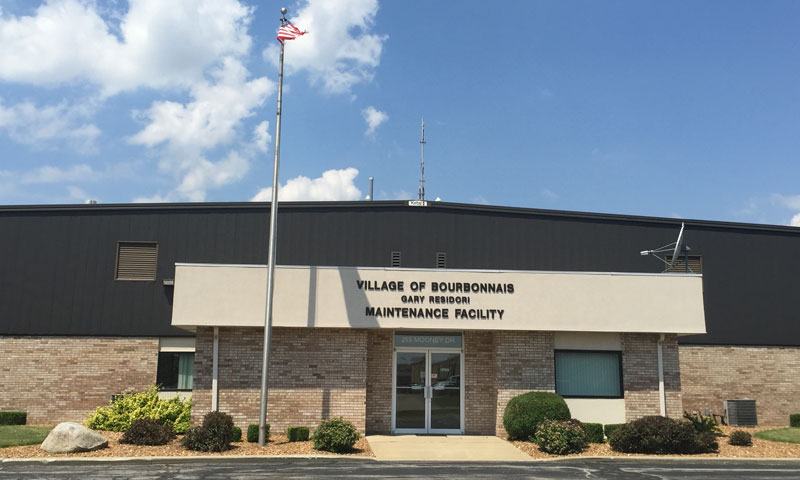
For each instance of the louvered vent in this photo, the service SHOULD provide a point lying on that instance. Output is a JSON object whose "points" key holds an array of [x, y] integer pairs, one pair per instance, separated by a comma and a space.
{"points": [[136, 261], [695, 264], [395, 259], [441, 260], [741, 412]]}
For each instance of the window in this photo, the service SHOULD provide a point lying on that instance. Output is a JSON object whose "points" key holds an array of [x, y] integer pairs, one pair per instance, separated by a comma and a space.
{"points": [[395, 259], [582, 373], [175, 370], [695, 264], [136, 261]]}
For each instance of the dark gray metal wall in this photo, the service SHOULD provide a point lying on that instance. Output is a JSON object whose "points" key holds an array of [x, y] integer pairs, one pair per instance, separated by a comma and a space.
{"points": [[57, 263]]}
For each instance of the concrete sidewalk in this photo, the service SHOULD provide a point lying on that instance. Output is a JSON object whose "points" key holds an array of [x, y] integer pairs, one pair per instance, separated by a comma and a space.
{"points": [[456, 448]]}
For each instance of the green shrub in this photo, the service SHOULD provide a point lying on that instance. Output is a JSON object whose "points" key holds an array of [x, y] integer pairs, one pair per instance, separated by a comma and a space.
{"points": [[297, 434], [146, 431], [237, 434], [128, 407], [594, 432], [702, 423], [335, 435], [611, 428], [794, 420], [13, 417], [661, 435], [215, 435], [252, 432], [525, 412], [560, 438], [740, 438]]}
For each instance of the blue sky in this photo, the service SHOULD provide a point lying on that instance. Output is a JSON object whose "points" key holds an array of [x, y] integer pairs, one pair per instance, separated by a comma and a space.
{"points": [[675, 109]]}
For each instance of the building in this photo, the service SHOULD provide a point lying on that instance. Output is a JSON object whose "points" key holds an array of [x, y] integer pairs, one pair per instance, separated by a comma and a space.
{"points": [[400, 318]]}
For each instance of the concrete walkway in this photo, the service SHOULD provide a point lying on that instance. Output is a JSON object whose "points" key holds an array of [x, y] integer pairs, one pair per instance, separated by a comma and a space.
{"points": [[456, 448]]}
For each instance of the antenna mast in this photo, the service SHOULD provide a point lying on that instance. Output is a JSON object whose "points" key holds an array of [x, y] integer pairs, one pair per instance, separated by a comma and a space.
{"points": [[422, 164]]}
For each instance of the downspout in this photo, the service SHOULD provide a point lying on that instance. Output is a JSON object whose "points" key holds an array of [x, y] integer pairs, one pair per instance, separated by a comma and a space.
{"points": [[215, 371], [662, 397]]}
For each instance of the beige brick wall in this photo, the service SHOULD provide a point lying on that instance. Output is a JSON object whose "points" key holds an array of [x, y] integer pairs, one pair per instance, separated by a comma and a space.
{"points": [[524, 361], [315, 374], [769, 375], [57, 379], [640, 375], [380, 349]]}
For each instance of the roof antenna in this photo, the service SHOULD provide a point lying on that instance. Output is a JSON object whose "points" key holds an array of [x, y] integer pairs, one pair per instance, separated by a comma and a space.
{"points": [[677, 247], [422, 165]]}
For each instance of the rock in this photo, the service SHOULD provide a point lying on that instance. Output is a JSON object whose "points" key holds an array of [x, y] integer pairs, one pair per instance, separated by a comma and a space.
{"points": [[70, 437]]}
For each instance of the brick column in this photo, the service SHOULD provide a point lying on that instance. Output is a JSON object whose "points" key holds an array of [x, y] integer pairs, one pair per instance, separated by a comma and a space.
{"points": [[640, 375], [480, 393], [380, 348], [524, 362]]}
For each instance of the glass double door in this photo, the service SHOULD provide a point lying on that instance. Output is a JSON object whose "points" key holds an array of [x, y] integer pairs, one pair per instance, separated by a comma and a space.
{"points": [[427, 393]]}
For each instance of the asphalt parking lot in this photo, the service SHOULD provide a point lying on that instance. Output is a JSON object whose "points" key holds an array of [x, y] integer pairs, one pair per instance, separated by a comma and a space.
{"points": [[611, 469]]}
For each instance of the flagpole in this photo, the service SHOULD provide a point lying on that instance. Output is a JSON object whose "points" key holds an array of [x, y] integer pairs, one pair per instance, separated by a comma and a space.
{"points": [[273, 230]]}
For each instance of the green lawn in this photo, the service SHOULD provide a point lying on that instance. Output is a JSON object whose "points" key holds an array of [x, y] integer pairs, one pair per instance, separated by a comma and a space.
{"points": [[786, 435], [16, 435]]}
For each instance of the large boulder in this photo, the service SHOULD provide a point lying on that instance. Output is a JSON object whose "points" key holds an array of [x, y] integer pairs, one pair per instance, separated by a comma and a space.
{"points": [[70, 437]]}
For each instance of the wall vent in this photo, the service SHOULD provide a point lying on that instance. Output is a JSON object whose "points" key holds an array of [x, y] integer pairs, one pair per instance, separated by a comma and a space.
{"points": [[395, 259], [695, 264], [441, 260], [740, 412], [136, 261]]}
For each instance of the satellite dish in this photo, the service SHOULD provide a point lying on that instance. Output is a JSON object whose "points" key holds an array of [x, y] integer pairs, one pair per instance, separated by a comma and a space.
{"points": [[677, 247], [676, 253]]}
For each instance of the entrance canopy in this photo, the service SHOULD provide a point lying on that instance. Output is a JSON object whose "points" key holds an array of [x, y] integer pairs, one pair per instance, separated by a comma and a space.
{"points": [[336, 297]]}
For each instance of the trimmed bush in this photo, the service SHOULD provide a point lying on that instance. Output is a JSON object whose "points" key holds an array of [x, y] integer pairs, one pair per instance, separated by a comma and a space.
{"points": [[794, 420], [335, 435], [297, 434], [13, 417], [740, 438], [120, 413], [252, 432], [702, 423], [594, 432], [146, 431], [560, 438], [525, 412], [611, 428], [237, 434], [661, 435], [215, 435]]}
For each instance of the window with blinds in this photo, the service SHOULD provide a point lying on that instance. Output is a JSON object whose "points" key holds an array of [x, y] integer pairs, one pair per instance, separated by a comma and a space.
{"points": [[695, 264], [136, 261]]}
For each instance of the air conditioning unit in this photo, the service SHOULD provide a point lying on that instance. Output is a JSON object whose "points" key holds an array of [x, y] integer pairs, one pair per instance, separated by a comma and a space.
{"points": [[740, 412]]}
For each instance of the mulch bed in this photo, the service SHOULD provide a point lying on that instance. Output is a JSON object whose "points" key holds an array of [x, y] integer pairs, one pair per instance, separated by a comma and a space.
{"points": [[759, 449], [277, 445]]}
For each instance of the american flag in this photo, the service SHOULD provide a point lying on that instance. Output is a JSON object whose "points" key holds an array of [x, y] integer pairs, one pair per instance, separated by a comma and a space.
{"points": [[289, 32]]}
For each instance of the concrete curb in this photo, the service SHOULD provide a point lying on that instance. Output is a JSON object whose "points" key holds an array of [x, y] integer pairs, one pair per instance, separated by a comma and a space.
{"points": [[637, 458]]}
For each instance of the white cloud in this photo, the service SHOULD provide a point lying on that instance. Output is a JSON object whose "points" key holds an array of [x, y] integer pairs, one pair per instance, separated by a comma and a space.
{"points": [[211, 120], [788, 201], [374, 118], [40, 127], [548, 194], [261, 137], [396, 195], [333, 185], [157, 43], [340, 50], [480, 199], [51, 174], [204, 174], [795, 221]]}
